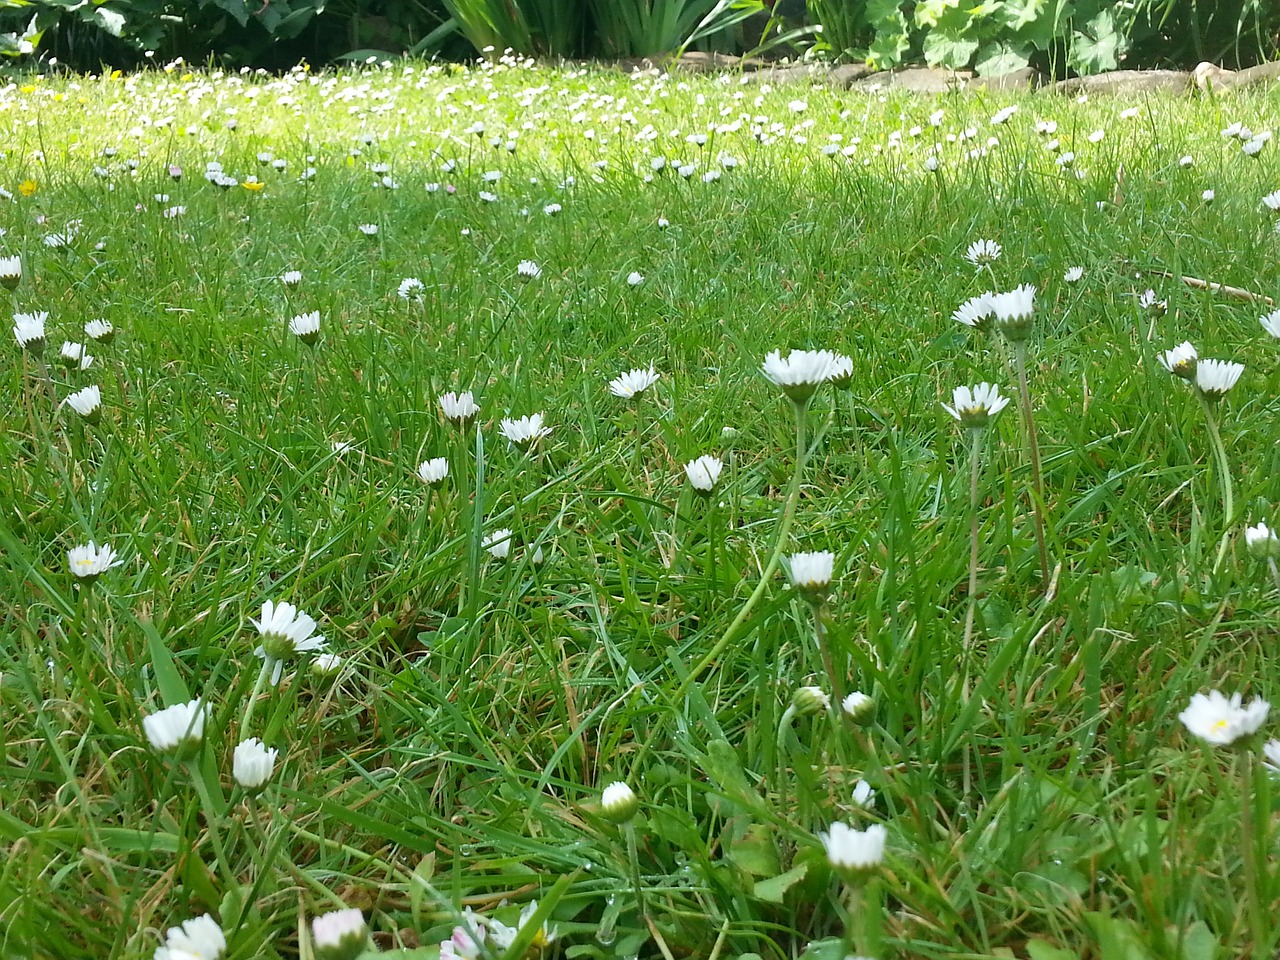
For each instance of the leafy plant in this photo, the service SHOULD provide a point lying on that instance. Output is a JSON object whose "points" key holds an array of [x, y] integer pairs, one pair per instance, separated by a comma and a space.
{"points": [[640, 28]]}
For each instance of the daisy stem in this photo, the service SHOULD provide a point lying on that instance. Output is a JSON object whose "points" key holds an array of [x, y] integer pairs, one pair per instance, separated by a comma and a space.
{"points": [[975, 459], [633, 860], [820, 631], [1253, 892], [26, 394], [1033, 450], [712, 539], [788, 516], [784, 785], [267, 664], [1224, 479]]}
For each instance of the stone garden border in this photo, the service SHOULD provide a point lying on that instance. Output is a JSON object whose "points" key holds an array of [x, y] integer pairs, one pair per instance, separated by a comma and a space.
{"points": [[857, 76]]}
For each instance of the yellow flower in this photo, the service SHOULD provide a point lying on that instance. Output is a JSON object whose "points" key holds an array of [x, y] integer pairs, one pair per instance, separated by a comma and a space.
{"points": [[28, 187], [28, 88], [254, 185]]}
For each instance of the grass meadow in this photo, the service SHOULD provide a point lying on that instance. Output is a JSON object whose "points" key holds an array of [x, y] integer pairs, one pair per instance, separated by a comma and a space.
{"points": [[553, 616]]}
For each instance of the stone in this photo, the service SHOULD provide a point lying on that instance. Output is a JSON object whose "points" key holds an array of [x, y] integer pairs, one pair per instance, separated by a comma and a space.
{"points": [[915, 79], [1028, 78], [1259, 74], [1126, 82]]}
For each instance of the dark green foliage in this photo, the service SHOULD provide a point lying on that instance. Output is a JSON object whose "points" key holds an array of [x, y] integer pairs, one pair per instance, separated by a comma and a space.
{"points": [[993, 37], [1058, 36]]}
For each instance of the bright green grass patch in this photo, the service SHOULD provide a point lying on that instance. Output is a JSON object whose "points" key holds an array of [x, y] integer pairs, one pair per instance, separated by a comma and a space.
{"points": [[1040, 797]]}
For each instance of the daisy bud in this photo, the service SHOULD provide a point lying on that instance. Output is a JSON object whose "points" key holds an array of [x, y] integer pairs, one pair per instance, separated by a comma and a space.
{"points": [[252, 765], [28, 330], [339, 935], [1262, 542], [703, 474], [10, 272], [854, 853], [326, 666], [1215, 378], [460, 408], [100, 331], [618, 803], [87, 403], [498, 544], [1180, 360], [860, 708], [811, 574], [863, 795], [842, 372], [807, 701], [178, 730], [433, 472], [1014, 311], [306, 327]]}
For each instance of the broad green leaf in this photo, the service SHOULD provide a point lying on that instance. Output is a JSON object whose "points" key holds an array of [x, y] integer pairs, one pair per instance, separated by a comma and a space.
{"points": [[1099, 46], [1118, 938], [1040, 950], [929, 12], [775, 888], [755, 852], [883, 11], [238, 9], [168, 680], [830, 949], [943, 48], [997, 59], [1016, 14], [889, 46]]}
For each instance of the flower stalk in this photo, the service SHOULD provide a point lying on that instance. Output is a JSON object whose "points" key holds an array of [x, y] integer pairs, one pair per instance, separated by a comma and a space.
{"points": [[1033, 452], [1224, 478], [975, 470], [775, 557]]}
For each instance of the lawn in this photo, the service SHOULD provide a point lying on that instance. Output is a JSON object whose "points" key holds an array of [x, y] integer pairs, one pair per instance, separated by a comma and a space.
{"points": [[518, 613]]}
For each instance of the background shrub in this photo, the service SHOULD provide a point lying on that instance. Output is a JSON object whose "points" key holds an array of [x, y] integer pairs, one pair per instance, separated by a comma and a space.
{"points": [[1059, 37]]}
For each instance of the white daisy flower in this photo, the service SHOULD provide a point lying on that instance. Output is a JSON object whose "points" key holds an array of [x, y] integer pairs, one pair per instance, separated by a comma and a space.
{"points": [[285, 631], [458, 407], [1180, 360], [197, 939], [703, 473], [1221, 721], [975, 406], [1215, 378], [525, 431], [633, 383], [498, 544], [177, 730]]}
